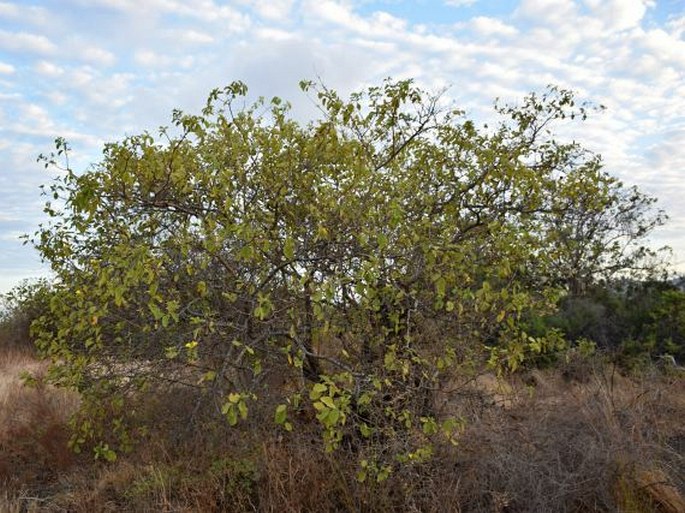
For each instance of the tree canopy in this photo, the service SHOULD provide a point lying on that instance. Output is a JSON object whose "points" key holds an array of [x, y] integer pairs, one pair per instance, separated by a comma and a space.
{"points": [[346, 267]]}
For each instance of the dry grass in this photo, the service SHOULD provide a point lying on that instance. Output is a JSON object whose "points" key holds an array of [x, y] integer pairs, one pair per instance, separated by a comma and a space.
{"points": [[598, 444], [553, 441], [33, 433]]}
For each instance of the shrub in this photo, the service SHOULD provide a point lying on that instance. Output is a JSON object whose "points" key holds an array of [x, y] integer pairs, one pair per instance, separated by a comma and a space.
{"points": [[357, 262], [18, 309]]}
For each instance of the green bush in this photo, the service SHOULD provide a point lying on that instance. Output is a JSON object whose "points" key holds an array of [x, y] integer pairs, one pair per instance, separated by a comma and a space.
{"points": [[343, 270], [19, 307], [639, 322]]}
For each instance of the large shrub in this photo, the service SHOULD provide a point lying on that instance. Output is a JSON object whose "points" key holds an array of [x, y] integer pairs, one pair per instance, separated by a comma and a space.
{"points": [[343, 269]]}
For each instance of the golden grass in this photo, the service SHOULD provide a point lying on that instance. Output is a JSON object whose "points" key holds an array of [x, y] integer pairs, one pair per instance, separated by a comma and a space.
{"points": [[33, 433], [595, 442], [19, 402]]}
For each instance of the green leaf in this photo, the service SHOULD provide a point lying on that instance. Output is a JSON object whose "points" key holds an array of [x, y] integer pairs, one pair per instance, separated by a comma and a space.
{"points": [[317, 390], [232, 416], [365, 430], [209, 376], [440, 286], [328, 401], [289, 248], [322, 416], [281, 414], [333, 416], [242, 409], [156, 311], [202, 288]]}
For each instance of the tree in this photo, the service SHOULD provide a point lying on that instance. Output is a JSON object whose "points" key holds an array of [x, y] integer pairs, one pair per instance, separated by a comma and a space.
{"points": [[595, 228], [602, 234], [348, 267]]}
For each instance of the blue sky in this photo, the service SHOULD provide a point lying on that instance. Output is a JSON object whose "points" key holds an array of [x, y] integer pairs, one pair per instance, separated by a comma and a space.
{"points": [[98, 70]]}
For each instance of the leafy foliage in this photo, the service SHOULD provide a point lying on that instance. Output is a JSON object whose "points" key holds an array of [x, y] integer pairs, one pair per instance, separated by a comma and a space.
{"points": [[344, 268], [18, 309], [637, 321]]}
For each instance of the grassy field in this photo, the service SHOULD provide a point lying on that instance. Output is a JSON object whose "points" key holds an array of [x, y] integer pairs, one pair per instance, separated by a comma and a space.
{"points": [[579, 438]]}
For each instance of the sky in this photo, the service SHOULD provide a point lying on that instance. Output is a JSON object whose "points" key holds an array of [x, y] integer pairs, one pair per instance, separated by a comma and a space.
{"points": [[94, 71]]}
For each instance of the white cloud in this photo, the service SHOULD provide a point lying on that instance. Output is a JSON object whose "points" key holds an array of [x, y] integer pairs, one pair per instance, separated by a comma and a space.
{"points": [[193, 36], [275, 35], [98, 56], [151, 63], [6, 69], [277, 10], [379, 25], [13, 235], [114, 90], [460, 3], [206, 10], [388, 21], [81, 78], [663, 45], [8, 10], [4, 218], [91, 89], [8, 282], [34, 120], [666, 160], [677, 26], [122, 5], [380, 47], [492, 26], [146, 57], [151, 59], [333, 12], [57, 98], [25, 13], [543, 12], [35, 114], [619, 14], [49, 69], [26, 42]]}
